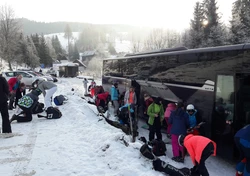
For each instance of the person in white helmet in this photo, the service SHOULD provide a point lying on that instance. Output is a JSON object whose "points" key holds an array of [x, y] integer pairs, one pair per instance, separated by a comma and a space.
{"points": [[193, 119]]}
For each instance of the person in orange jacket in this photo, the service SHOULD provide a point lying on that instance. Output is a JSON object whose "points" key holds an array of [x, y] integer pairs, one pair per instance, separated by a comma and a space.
{"points": [[199, 149]]}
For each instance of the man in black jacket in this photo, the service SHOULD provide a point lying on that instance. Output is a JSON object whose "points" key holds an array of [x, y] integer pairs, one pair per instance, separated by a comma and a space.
{"points": [[4, 92]]}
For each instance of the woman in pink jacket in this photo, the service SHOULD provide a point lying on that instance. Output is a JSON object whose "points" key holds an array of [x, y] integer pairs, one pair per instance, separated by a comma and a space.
{"points": [[171, 107]]}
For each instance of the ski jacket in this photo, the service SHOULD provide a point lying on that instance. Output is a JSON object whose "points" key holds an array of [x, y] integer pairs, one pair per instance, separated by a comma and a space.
{"points": [[114, 93], [155, 109], [195, 146], [4, 90], [192, 119], [130, 96], [244, 135], [179, 121], [13, 84], [45, 85], [171, 107]]}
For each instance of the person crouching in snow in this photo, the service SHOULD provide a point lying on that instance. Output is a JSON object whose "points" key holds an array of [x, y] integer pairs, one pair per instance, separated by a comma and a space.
{"points": [[156, 116], [47, 88], [242, 141], [25, 106], [199, 149], [124, 113], [171, 107]]}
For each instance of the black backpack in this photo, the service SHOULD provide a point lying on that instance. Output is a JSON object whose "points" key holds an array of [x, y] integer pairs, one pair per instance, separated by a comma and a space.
{"points": [[53, 113], [146, 152], [159, 147]]}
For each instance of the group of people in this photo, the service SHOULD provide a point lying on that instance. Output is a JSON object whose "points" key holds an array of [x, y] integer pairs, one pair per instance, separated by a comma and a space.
{"points": [[14, 91]]}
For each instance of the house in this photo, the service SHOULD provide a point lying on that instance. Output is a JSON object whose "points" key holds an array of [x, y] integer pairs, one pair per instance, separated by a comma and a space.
{"points": [[82, 66], [86, 56], [68, 70]]}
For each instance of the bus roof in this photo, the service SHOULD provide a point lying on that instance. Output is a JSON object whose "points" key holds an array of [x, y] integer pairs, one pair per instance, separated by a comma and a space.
{"points": [[184, 51]]}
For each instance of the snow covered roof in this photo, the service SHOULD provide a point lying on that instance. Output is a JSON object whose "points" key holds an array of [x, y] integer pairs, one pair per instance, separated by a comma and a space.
{"points": [[69, 64], [88, 53], [80, 63]]}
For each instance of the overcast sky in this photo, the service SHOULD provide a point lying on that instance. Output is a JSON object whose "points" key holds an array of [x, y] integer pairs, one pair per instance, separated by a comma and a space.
{"points": [[157, 13]]}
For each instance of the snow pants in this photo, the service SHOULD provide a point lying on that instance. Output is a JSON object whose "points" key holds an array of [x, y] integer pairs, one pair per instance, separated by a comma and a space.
{"points": [[155, 129], [244, 153], [6, 128], [176, 148], [48, 96]]}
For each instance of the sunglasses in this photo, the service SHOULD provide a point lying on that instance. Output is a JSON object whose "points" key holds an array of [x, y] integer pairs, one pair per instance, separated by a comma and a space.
{"points": [[190, 110]]}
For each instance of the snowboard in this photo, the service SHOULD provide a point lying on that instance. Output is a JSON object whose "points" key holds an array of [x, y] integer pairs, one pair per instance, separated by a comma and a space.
{"points": [[116, 124]]}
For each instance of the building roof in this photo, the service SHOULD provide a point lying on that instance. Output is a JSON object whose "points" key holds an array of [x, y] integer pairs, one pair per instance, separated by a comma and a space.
{"points": [[80, 63], [88, 53]]}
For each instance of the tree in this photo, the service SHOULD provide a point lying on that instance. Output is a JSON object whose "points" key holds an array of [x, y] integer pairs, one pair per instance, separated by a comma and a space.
{"points": [[56, 45], [44, 53], [212, 28], [75, 55], [111, 49], [196, 27], [240, 24], [68, 35], [9, 33]]}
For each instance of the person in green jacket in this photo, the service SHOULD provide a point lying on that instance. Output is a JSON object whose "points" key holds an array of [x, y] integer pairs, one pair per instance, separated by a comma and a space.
{"points": [[156, 116]]}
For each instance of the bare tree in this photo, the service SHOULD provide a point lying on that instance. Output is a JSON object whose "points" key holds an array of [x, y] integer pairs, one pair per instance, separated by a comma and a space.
{"points": [[9, 33], [156, 40], [136, 44]]}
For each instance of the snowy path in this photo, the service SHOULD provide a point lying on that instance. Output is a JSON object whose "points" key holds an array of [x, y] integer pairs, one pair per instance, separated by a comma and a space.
{"points": [[79, 144]]}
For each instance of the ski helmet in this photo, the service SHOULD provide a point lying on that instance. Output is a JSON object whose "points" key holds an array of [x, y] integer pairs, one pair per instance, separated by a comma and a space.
{"points": [[190, 107]]}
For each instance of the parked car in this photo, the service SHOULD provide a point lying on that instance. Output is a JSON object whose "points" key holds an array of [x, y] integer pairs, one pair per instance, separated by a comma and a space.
{"points": [[27, 79], [52, 78], [48, 77], [52, 72]]}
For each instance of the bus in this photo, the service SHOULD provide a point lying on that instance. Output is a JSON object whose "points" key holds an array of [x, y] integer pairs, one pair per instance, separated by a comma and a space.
{"points": [[215, 79]]}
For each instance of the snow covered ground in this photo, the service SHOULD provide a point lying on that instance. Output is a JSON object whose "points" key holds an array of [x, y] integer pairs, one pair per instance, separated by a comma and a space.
{"points": [[80, 144]]}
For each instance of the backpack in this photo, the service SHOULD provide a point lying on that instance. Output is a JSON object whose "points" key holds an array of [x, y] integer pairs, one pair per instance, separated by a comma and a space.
{"points": [[25, 101], [38, 108], [53, 113], [59, 100], [146, 152], [159, 147]]}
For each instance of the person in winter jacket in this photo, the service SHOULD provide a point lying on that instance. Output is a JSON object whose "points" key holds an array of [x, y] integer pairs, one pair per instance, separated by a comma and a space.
{"points": [[115, 97], [124, 113], [85, 85], [25, 106], [147, 101], [48, 89], [4, 92], [180, 123], [170, 108], [156, 116], [130, 96], [13, 86], [102, 99], [20, 92], [199, 149], [242, 141]]}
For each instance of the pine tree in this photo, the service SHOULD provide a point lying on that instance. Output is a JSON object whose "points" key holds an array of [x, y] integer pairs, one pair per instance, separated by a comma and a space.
{"points": [[75, 55], [213, 29], [68, 35], [196, 27], [240, 24], [43, 51], [32, 53], [56, 45]]}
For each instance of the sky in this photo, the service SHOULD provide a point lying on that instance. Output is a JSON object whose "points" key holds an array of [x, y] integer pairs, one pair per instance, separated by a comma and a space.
{"points": [[174, 14]]}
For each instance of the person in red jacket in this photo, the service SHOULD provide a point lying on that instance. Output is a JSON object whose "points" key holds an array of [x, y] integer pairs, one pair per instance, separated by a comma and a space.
{"points": [[199, 149], [13, 86]]}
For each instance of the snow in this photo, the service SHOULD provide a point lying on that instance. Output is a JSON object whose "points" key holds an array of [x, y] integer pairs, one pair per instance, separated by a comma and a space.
{"points": [[81, 143]]}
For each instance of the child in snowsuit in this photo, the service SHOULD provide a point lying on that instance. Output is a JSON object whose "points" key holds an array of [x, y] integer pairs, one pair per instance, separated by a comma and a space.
{"points": [[180, 123], [193, 121], [242, 141], [171, 107], [156, 116], [25, 106], [199, 149], [124, 113]]}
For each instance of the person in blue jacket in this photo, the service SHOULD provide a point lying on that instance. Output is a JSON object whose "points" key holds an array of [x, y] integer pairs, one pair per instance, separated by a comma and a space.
{"points": [[115, 97], [242, 141]]}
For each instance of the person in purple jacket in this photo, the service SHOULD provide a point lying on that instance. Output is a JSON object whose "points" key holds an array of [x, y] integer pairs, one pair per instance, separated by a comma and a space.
{"points": [[180, 123]]}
